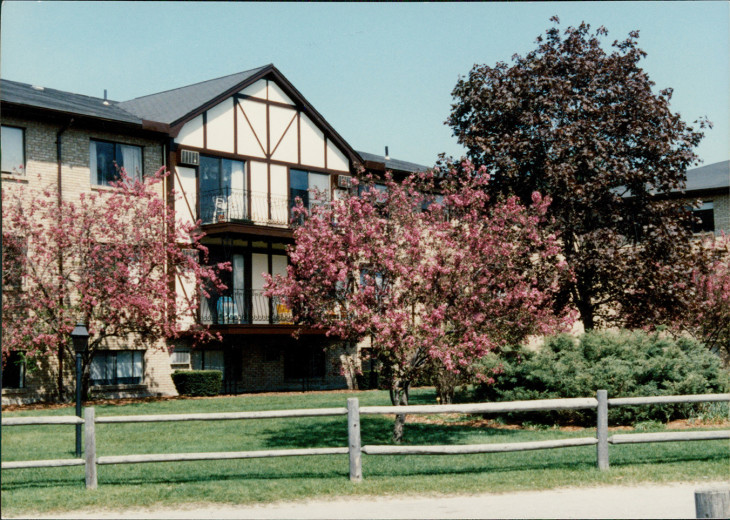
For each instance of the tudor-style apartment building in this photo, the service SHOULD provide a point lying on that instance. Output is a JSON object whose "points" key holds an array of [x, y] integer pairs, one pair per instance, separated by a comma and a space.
{"points": [[240, 149]]}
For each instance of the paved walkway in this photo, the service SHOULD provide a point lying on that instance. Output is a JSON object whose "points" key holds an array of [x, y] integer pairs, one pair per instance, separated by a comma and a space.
{"points": [[645, 501]]}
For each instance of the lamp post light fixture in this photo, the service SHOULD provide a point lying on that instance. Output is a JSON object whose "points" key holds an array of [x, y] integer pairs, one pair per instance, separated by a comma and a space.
{"points": [[80, 338]]}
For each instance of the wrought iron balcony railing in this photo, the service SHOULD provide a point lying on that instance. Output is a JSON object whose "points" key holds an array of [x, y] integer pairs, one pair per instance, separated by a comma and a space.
{"points": [[236, 205], [244, 307]]}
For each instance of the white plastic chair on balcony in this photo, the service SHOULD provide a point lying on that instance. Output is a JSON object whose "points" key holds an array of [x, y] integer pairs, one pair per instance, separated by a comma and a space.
{"points": [[220, 211]]}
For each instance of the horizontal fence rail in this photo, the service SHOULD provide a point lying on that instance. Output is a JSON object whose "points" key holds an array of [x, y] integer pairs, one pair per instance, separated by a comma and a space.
{"points": [[477, 448], [634, 438], [28, 421], [230, 416], [355, 449], [218, 455], [507, 406], [668, 399], [53, 463]]}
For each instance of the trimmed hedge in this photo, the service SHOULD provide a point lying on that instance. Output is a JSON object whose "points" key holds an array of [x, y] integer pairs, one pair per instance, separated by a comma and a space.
{"points": [[625, 363], [198, 382]]}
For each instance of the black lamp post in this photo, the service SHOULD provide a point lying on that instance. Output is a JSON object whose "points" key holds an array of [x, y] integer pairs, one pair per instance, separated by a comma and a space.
{"points": [[80, 337]]}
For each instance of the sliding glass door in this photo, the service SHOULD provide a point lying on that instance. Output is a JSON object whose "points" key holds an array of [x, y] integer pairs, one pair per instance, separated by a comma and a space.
{"points": [[223, 194]]}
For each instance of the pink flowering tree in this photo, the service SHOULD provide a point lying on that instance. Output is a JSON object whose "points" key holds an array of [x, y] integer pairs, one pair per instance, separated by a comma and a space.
{"points": [[108, 259], [706, 310], [430, 279]]}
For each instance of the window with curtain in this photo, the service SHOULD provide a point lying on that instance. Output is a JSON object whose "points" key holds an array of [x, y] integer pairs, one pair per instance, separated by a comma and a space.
{"points": [[12, 143], [117, 367], [106, 158]]}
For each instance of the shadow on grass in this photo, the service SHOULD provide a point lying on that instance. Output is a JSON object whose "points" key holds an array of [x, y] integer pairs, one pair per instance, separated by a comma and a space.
{"points": [[373, 430], [371, 468]]}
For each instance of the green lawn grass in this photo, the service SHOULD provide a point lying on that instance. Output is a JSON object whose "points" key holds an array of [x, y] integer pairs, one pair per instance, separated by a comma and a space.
{"points": [[289, 478]]}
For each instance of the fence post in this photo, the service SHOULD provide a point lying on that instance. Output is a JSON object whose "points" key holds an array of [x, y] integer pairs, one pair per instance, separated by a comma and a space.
{"points": [[90, 447], [712, 503], [353, 438], [602, 429]]}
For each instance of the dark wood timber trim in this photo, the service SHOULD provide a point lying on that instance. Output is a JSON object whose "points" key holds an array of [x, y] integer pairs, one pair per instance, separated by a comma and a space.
{"points": [[265, 101], [169, 188], [299, 137], [265, 329], [220, 228], [205, 130], [284, 135], [235, 126], [268, 126], [252, 130], [272, 73]]}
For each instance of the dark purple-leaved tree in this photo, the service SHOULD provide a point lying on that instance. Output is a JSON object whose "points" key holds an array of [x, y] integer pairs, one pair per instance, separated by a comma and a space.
{"points": [[585, 127]]}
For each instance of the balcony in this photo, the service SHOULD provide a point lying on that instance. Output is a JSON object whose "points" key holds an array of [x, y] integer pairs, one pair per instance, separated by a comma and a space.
{"points": [[244, 307], [228, 205]]}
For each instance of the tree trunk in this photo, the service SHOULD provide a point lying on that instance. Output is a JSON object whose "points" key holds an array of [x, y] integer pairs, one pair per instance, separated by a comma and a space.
{"points": [[445, 382], [399, 397], [586, 315]]}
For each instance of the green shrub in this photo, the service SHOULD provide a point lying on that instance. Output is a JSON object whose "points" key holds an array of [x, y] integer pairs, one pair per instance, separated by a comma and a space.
{"points": [[626, 364], [198, 382]]}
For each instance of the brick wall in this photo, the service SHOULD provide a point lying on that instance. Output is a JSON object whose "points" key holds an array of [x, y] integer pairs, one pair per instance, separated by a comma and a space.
{"points": [[41, 172], [722, 213]]}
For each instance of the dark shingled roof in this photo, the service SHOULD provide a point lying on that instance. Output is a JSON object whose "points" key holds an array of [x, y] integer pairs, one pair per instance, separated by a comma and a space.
{"points": [[393, 164], [58, 100], [172, 105], [712, 176], [166, 107]]}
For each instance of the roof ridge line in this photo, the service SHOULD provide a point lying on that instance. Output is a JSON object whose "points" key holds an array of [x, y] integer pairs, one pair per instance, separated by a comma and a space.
{"points": [[197, 83]]}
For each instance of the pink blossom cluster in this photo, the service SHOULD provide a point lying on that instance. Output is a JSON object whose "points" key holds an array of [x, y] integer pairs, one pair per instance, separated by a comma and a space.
{"points": [[431, 270]]}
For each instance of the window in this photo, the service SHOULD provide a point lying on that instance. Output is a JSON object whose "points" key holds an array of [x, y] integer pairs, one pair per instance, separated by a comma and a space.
{"points": [[117, 367], [208, 360], [222, 190], [12, 144], [14, 255], [304, 362], [180, 357], [312, 188], [14, 370], [704, 218], [106, 158], [381, 188]]}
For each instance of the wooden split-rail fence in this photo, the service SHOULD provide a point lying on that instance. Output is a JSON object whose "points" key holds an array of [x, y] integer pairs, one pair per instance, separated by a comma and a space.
{"points": [[355, 449]]}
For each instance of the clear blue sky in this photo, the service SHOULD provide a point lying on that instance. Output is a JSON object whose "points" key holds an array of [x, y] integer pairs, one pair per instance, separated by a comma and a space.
{"points": [[381, 74]]}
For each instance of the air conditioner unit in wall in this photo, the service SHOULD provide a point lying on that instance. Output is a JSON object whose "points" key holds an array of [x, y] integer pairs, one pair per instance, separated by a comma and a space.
{"points": [[344, 181], [189, 157]]}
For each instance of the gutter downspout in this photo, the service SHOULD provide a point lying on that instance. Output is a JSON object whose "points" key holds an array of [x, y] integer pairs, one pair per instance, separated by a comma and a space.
{"points": [[59, 200]]}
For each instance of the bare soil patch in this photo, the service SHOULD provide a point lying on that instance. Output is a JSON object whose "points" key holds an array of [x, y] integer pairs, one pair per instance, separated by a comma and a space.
{"points": [[463, 420]]}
